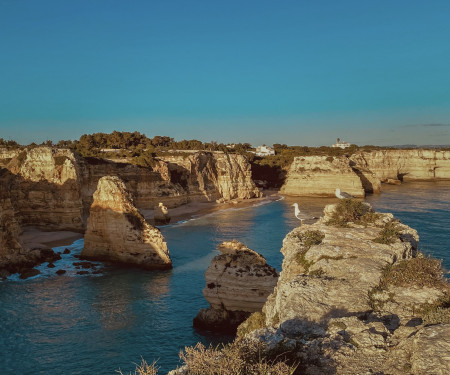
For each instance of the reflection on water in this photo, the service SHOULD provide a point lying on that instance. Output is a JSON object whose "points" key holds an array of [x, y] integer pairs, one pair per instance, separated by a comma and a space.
{"points": [[96, 324]]}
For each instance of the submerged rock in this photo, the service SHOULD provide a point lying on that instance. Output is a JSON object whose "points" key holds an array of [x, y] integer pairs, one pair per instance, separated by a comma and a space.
{"points": [[238, 282], [117, 232]]}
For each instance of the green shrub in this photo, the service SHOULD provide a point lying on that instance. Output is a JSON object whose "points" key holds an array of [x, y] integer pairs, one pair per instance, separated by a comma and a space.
{"points": [[254, 321], [389, 234], [308, 238], [351, 210]]}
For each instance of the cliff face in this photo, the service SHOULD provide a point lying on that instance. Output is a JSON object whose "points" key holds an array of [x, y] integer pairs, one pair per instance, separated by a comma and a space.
{"points": [[53, 189], [405, 164], [46, 190], [238, 282], [320, 176], [117, 232], [358, 299], [207, 176]]}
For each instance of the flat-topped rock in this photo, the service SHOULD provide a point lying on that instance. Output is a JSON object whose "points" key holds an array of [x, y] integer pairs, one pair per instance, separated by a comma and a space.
{"points": [[117, 231], [320, 176]]}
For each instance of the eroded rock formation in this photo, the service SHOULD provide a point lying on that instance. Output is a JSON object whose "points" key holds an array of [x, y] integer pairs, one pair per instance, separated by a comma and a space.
{"points": [[208, 176], [117, 232], [405, 164], [358, 298], [320, 176], [238, 282], [52, 189]]}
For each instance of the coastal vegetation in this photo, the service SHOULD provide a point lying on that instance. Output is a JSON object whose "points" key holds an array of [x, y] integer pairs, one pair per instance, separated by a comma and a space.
{"points": [[421, 272], [351, 211]]}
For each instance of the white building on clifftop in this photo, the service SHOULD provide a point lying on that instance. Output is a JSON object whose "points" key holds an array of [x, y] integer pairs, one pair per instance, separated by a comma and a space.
{"points": [[341, 144], [264, 151]]}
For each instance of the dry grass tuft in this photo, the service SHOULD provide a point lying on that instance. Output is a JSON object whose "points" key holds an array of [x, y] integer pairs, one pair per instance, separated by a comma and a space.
{"points": [[238, 358], [143, 369]]}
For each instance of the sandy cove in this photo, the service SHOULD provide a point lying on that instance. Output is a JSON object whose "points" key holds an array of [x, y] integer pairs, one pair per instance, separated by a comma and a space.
{"points": [[34, 237]]}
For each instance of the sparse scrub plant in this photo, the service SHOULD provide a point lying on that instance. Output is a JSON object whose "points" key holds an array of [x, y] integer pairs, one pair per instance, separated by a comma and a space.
{"points": [[389, 234], [143, 369], [254, 321], [241, 357], [308, 238], [351, 210]]}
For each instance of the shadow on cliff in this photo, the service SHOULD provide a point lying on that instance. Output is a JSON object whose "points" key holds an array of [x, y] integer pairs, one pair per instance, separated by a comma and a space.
{"points": [[314, 344], [43, 204], [274, 175]]}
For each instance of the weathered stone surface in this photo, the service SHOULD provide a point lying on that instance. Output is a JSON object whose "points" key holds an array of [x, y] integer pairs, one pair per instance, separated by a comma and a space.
{"points": [[320, 176], [52, 189], [405, 164], [46, 189], [211, 176], [238, 282], [330, 307], [117, 232]]}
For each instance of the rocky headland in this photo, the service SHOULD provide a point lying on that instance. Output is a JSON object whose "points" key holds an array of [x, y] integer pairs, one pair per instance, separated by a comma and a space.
{"points": [[238, 282], [117, 232], [355, 296], [363, 172], [319, 176]]}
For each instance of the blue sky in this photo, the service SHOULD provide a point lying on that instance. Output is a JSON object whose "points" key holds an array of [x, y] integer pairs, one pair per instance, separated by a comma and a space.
{"points": [[294, 72]]}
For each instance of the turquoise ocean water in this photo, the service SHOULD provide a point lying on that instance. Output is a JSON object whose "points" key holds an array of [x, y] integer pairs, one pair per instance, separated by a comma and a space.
{"points": [[88, 324]]}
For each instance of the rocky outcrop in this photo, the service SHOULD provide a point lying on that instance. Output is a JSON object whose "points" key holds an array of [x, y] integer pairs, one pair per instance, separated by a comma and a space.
{"points": [[52, 189], [118, 233], [210, 176], [161, 215], [238, 282], [46, 189], [405, 164], [358, 299], [320, 176]]}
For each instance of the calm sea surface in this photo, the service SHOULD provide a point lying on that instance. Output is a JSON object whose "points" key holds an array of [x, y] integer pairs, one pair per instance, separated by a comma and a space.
{"points": [[76, 324]]}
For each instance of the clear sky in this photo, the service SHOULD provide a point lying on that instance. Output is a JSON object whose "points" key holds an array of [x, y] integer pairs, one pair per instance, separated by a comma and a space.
{"points": [[263, 71]]}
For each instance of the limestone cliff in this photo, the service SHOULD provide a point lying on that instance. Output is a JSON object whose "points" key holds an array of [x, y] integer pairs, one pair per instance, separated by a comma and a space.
{"points": [[357, 298], [320, 176], [210, 176], [405, 164], [52, 189], [117, 232], [46, 189], [238, 282]]}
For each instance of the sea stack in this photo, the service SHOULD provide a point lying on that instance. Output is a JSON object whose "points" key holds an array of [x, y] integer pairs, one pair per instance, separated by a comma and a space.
{"points": [[117, 232], [238, 282]]}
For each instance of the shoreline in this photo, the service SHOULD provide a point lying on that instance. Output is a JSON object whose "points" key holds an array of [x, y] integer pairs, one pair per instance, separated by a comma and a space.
{"points": [[195, 209], [32, 237]]}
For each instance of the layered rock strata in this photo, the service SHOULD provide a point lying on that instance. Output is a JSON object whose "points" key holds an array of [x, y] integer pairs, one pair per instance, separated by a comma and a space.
{"points": [[210, 176], [238, 282], [405, 164], [358, 299], [320, 176], [117, 232], [52, 189]]}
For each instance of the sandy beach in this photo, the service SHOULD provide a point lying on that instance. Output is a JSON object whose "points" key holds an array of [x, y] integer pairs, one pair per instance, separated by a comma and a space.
{"points": [[35, 237]]}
